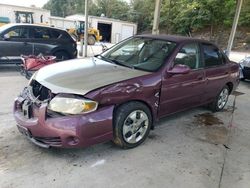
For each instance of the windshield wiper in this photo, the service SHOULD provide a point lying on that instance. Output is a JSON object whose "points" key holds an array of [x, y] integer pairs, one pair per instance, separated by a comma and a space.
{"points": [[105, 58], [114, 61], [121, 64]]}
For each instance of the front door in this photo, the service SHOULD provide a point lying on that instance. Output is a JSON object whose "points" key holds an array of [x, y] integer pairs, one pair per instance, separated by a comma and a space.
{"points": [[15, 42], [182, 91]]}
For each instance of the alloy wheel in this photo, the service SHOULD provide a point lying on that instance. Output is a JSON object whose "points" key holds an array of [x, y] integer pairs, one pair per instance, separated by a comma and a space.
{"points": [[223, 97], [135, 126]]}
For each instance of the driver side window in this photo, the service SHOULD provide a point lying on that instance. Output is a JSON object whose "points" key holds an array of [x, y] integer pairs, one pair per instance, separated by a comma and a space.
{"points": [[189, 55], [18, 33]]}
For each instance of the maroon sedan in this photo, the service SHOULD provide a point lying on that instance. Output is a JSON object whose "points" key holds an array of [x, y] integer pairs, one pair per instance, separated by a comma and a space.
{"points": [[119, 94]]}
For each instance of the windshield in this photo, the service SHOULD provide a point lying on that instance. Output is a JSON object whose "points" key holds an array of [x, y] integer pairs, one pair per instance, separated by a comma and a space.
{"points": [[140, 53]]}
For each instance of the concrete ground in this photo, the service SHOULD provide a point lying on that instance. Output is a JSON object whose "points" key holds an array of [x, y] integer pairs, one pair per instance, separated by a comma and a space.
{"points": [[193, 149]]}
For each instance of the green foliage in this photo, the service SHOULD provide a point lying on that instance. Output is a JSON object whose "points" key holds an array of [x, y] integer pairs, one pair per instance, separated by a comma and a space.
{"points": [[185, 16], [64, 8], [177, 16], [117, 9], [245, 14], [111, 8], [142, 12]]}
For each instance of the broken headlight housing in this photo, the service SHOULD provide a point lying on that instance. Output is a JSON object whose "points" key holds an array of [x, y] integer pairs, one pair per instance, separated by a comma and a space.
{"points": [[72, 106]]}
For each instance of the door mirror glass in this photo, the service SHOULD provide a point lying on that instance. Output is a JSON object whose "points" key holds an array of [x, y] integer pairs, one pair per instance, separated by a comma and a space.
{"points": [[179, 69]]}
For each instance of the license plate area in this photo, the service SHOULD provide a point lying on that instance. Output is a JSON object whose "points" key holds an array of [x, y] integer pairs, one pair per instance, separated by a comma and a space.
{"points": [[26, 109], [24, 131]]}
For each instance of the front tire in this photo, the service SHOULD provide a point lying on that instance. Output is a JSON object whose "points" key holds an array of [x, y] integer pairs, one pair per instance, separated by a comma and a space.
{"points": [[132, 123], [221, 100]]}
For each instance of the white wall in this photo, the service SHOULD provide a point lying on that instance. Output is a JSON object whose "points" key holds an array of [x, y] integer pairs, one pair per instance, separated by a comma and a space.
{"points": [[62, 23], [120, 29]]}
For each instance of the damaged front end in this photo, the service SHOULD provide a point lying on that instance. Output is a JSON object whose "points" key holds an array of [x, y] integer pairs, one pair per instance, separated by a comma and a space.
{"points": [[34, 94], [47, 124]]}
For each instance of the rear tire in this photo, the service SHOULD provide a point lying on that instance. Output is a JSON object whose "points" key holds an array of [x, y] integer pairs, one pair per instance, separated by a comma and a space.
{"points": [[132, 123], [91, 40], [221, 100], [61, 56]]}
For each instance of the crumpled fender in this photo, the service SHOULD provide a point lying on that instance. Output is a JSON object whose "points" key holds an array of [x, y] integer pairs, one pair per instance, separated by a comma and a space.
{"points": [[145, 89]]}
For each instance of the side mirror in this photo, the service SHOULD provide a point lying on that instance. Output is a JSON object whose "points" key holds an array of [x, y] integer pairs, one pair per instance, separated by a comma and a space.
{"points": [[179, 69], [6, 36], [104, 47]]}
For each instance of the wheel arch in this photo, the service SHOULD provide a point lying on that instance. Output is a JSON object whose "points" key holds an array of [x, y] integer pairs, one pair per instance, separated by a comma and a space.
{"points": [[230, 86], [61, 50]]}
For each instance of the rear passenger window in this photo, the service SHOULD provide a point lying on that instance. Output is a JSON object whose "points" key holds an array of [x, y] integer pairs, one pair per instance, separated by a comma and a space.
{"points": [[55, 34], [42, 33], [66, 36], [189, 55], [212, 56]]}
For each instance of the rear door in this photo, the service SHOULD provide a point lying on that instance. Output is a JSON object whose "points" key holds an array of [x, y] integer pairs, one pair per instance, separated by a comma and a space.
{"points": [[182, 91], [216, 70], [17, 42], [42, 40]]}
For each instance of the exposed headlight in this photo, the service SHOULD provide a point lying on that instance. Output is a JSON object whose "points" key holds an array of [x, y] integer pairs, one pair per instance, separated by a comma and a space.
{"points": [[72, 106]]}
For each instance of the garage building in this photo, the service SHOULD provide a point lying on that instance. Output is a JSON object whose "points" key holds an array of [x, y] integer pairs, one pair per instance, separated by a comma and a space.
{"points": [[112, 30]]}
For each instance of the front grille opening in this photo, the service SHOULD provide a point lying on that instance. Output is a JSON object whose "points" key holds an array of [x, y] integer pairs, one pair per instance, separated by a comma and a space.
{"points": [[39, 91], [52, 141]]}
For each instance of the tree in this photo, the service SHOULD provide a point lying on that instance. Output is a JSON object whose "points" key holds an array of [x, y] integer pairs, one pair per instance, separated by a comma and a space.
{"points": [[177, 16], [186, 16], [245, 14], [141, 12], [117, 9], [111, 8]]}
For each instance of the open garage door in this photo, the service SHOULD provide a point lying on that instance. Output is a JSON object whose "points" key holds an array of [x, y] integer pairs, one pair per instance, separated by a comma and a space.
{"points": [[105, 30], [127, 31]]}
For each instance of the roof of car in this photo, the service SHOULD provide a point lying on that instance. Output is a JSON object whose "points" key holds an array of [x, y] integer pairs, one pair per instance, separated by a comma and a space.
{"points": [[36, 25], [173, 38]]}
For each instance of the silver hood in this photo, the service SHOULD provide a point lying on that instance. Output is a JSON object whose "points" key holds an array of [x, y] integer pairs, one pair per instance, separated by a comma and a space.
{"points": [[81, 76]]}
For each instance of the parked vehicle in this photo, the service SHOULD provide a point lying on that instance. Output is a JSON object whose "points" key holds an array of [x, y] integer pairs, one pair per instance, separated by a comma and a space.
{"points": [[30, 39], [120, 94], [245, 68]]}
